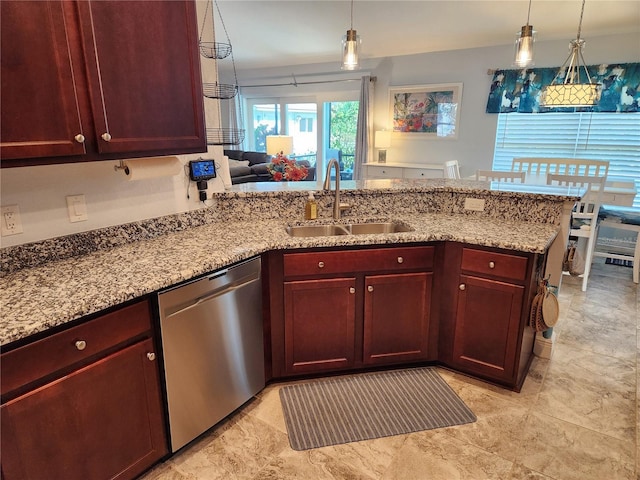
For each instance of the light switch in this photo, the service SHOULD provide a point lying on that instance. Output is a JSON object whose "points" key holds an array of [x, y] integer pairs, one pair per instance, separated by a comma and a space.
{"points": [[476, 204], [77, 208]]}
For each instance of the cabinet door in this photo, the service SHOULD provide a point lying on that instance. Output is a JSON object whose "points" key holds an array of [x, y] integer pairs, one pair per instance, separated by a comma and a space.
{"points": [[396, 317], [143, 69], [40, 113], [319, 318], [102, 421], [487, 322]]}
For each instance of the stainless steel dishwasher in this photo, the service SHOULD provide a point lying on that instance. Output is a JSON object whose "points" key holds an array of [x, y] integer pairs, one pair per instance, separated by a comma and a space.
{"points": [[212, 340]]}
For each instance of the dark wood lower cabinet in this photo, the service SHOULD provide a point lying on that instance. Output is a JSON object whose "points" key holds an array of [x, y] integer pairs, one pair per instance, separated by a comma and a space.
{"points": [[102, 419], [396, 317], [319, 319], [486, 327]]}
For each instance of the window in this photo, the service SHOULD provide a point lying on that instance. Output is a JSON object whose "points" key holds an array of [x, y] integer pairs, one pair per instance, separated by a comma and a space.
{"points": [[306, 124], [597, 136]]}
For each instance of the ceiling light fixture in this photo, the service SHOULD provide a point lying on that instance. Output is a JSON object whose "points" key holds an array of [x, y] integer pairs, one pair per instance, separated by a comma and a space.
{"points": [[571, 91], [524, 44], [350, 44]]}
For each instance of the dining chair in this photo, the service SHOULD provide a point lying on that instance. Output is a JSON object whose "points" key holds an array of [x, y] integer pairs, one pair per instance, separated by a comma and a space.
{"points": [[451, 169], [584, 217], [560, 166], [495, 175]]}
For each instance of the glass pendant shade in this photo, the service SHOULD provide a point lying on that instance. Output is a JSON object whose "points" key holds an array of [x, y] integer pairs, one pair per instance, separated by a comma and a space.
{"points": [[524, 47], [350, 43]]}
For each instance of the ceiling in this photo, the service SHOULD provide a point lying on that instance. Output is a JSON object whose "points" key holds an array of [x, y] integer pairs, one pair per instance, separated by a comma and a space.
{"points": [[267, 33]]}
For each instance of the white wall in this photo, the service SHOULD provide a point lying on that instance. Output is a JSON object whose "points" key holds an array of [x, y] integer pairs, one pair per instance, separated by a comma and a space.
{"points": [[40, 191]]}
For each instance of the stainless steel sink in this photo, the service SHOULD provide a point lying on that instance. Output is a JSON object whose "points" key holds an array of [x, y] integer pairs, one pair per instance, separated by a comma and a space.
{"points": [[317, 230], [385, 227], [348, 229]]}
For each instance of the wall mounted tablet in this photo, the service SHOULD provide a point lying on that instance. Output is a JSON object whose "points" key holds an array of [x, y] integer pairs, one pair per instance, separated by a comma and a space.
{"points": [[202, 170]]}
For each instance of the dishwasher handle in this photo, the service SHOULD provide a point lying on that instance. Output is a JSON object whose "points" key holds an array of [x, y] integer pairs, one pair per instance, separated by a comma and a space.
{"points": [[216, 292]]}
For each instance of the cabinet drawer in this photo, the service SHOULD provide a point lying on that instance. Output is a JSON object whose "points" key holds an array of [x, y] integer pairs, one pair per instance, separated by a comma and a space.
{"points": [[332, 262], [423, 173], [44, 357], [497, 264], [384, 172]]}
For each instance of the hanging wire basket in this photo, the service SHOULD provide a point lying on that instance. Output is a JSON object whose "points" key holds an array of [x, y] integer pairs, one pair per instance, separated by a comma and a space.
{"points": [[225, 136], [215, 50], [224, 91]]}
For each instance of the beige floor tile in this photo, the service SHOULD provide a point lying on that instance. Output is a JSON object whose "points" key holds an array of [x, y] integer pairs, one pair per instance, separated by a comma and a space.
{"points": [[316, 464], [593, 391], [238, 453], [434, 455], [267, 407], [498, 428], [568, 452]]}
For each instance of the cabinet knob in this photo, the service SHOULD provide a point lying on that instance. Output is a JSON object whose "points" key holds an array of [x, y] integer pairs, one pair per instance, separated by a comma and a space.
{"points": [[79, 138], [320, 264], [106, 136], [492, 265], [352, 290], [370, 288], [400, 260], [81, 345], [462, 286], [151, 356]]}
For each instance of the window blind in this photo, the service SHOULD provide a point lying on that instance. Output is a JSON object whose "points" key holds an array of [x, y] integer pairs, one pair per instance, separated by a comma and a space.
{"points": [[597, 136]]}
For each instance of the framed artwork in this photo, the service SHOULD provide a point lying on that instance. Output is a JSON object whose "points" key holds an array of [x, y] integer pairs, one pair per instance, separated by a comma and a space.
{"points": [[426, 110]]}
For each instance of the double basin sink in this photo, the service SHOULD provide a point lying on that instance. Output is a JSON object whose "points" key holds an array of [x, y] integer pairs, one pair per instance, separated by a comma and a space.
{"points": [[329, 230]]}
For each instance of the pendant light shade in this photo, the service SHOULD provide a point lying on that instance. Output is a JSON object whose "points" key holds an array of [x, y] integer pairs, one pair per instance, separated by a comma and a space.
{"points": [[350, 44], [524, 44], [572, 86]]}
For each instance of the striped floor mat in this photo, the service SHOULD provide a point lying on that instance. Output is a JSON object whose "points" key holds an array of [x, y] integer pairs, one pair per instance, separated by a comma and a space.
{"points": [[370, 405]]}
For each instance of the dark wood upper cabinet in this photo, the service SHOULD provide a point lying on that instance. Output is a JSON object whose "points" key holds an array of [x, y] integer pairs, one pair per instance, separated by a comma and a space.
{"points": [[92, 80]]}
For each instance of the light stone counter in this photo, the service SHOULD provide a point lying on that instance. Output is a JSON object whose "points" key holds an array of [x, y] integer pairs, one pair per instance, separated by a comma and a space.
{"points": [[50, 283]]}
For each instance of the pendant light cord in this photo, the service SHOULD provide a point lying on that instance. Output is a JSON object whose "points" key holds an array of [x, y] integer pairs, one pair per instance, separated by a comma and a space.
{"points": [[352, 14], [529, 12], [580, 24]]}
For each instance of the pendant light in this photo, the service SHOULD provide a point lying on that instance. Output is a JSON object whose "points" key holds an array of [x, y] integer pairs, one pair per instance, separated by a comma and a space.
{"points": [[350, 44], [524, 44], [572, 91]]}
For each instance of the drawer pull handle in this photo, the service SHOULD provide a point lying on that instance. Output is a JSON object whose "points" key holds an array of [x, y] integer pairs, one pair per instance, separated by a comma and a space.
{"points": [[462, 286], [400, 260], [370, 288], [81, 345], [492, 265], [151, 356], [320, 264], [352, 290], [79, 138], [106, 136]]}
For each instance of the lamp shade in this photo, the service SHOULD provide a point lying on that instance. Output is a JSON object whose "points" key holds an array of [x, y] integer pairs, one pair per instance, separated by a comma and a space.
{"points": [[279, 144], [524, 47], [382, 139]]}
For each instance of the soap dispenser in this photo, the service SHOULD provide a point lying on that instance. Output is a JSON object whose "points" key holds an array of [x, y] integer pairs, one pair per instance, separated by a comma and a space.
{"points": [[311, 208]]}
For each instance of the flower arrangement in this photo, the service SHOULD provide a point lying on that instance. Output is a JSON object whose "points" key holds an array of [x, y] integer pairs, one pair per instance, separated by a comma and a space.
{"points": [[282, 168]]}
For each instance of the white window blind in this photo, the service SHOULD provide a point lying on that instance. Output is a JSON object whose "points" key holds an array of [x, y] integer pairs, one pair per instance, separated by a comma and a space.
{"points": [[613, 137]]}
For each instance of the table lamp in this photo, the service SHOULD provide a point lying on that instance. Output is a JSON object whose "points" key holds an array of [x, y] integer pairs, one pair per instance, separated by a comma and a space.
{"points": [[279, 144], [382, 142]]}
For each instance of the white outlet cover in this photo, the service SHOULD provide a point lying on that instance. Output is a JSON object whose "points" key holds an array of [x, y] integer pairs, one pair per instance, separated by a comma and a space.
{"points": [[475, 204], [77, 208], [11, 221]]}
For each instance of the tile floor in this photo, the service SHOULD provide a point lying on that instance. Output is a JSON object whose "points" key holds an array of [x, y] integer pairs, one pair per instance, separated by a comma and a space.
{"points": [[577, 416]]}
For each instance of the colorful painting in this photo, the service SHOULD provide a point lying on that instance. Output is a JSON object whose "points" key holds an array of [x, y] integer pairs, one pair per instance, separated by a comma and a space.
{"points": [[433, 110]]}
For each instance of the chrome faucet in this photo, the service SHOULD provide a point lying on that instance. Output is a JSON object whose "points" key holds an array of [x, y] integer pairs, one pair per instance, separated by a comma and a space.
{"points": [[337, 206]]}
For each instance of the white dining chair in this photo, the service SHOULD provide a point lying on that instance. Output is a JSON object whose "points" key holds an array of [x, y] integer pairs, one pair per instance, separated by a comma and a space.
{"points": [[584, 217], [451, 169], [499, 176]]}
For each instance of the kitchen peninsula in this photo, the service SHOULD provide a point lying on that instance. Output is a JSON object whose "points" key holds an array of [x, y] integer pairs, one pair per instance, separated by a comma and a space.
{"points": [[466, 239]]}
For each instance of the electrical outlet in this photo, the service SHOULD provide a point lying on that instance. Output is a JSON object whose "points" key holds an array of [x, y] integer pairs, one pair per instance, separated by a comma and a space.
{"points": [[11, 222], [475, 204], [77, 208]]}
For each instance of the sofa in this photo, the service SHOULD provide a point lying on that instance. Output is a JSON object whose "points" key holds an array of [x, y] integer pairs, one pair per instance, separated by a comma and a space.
{"points": [[247, 167]]}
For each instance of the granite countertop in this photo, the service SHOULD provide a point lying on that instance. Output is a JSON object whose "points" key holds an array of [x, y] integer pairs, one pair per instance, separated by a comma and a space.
{"points": [[36, 298]]}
